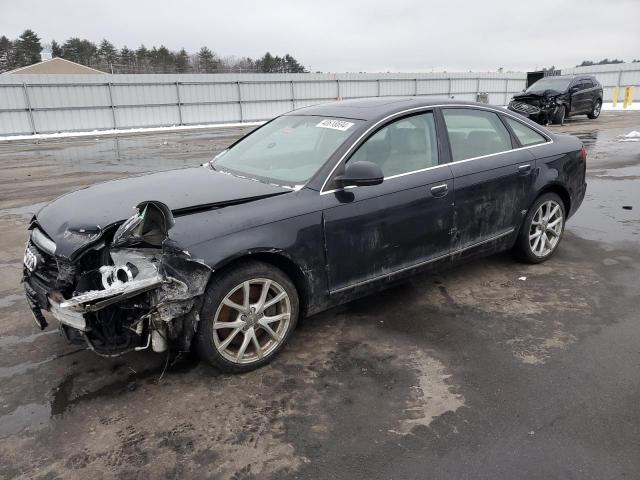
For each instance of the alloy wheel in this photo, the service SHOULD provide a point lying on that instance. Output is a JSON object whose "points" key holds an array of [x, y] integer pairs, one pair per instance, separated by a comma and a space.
{"points": [[251, 321], [546, 228], [596, 109]]}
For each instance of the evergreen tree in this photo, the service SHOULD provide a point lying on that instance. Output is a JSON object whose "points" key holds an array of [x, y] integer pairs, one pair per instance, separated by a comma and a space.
{"points": [[107, 52], [292, 65], [28, 48], [182, 61], [6, 54], [267, 64], [164, 60], [127, 59], [80, 51], [56, 49], [142, 57], [207, 61]]}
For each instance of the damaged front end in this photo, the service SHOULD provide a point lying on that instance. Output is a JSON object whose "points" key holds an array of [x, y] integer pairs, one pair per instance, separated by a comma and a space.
{"points": [[130, 289], [540, 107]]}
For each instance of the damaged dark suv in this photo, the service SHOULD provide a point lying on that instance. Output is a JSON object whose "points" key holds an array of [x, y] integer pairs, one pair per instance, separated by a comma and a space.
{"points": [[554, 98], [313, 209]]}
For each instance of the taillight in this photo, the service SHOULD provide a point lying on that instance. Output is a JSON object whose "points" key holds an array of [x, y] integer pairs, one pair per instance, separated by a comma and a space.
{"points": [[584, 154]]}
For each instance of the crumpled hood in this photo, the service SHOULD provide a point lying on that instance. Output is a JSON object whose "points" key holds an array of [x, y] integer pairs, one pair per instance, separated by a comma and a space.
{"points": [[78, 218], [537, 94]]}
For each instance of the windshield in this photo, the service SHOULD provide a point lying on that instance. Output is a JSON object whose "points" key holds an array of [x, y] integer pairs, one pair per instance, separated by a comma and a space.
{"points": [[288, 150], [550, 83]]}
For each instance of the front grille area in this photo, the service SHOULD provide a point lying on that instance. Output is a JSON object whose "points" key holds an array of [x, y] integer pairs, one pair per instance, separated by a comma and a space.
{"points": [[50, 272], [524, 108]]}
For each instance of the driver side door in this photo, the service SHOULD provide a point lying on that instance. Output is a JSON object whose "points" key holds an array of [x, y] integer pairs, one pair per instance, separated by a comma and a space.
{"points": [[372, 232]]}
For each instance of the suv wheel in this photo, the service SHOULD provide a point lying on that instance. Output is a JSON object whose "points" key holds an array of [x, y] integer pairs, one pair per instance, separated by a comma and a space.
{"points": [[595, 111], [248, 315], [542, 229], [558, 118]]}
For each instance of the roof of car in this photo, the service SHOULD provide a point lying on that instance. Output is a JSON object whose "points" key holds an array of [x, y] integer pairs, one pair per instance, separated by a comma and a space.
{"points": [[572, 76], [375, 107]]}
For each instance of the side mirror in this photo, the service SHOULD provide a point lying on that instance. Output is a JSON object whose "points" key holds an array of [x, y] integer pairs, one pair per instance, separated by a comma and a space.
{"points": [[361, 174], [573, 89]]}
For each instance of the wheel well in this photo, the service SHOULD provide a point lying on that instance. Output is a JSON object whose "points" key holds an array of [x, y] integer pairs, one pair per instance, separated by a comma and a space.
{"points": [[287, 266], [561, 192]]}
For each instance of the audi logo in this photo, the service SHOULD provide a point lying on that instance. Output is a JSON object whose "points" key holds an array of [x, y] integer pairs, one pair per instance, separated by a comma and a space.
{"points": [[30, 260]]}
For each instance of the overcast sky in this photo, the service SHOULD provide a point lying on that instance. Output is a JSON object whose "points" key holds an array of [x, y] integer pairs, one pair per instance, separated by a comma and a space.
{"points": [[353, 35]]}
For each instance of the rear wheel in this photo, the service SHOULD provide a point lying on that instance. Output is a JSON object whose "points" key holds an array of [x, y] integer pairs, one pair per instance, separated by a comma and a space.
{"points": [[595, 111], [542, 229], [559, 116], [248, 315]]}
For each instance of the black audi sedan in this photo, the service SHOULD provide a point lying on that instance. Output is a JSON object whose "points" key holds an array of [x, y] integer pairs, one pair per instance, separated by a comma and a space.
{"points": [[315, 208], [554, 98]]}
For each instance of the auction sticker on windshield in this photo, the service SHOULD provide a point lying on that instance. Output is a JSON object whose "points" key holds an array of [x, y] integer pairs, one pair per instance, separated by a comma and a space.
{"points": [[335, 124]]}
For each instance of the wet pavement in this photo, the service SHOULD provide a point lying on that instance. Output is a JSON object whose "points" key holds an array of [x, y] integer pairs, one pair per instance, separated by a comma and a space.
{"points": [[495, 369]]}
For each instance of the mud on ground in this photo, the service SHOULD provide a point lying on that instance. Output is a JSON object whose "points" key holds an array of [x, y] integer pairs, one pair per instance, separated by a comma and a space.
{"points": [[493, 370]]}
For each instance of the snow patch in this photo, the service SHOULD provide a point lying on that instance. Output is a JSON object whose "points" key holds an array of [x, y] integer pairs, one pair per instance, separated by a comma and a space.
{"points": [[100, 133]]}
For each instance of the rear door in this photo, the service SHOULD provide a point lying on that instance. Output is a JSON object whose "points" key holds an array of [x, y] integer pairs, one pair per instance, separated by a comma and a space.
{"points": [[579, 97], [590, 94], [492, 176], [374, 231]]}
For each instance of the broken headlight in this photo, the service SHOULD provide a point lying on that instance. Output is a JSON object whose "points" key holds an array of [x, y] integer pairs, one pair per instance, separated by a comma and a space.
{"points": [[149, 225]]}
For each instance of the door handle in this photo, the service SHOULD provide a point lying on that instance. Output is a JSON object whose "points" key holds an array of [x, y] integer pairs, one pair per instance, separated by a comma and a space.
{"points": [[440, 190], [524, 169]]}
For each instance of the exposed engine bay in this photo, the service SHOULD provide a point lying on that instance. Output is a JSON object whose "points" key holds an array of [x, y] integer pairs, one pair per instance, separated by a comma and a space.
{"points": [[131, 288]]}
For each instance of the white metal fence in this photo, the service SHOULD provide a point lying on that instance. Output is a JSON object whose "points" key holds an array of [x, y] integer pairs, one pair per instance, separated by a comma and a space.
{"points": [[60, 103]]}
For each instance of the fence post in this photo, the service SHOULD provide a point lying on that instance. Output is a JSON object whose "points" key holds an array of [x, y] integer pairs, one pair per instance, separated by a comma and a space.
{"points": [[113, 108], [293, 96], [506, 91], [339, 97], [449, 90], [378, 81], [240, 101], [477, 89], [28, 103], [179, 103], [415, 87]]}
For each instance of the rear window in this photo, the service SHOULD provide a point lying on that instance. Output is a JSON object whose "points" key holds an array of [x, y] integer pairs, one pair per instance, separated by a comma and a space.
{"points": [[526, 135], [474, 133]]}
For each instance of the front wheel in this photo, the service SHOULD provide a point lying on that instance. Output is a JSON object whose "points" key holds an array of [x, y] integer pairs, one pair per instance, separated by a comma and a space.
{"points": [[248, 315], [558, 118], [595, 111], [542, 229]]}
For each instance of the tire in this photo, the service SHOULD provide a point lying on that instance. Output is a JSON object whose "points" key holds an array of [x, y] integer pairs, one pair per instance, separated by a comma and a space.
{"points": [[595, 111], [559, 116], [528, 247], [246, 320]]}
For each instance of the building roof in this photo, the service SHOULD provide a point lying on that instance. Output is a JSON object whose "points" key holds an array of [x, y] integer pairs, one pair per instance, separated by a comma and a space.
{"points": [[54, 66]]}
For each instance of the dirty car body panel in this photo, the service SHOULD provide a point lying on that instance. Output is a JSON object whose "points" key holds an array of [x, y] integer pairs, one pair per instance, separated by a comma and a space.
{"points": [[122, 278]]}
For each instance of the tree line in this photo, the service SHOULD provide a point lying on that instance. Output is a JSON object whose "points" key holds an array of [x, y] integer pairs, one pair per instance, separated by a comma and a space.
{"points": [[604, 61], [27, 48]]}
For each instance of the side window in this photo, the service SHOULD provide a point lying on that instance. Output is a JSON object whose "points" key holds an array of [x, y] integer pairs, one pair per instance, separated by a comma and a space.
{"points": [[473, 133], [526, 135], [406, 145], [587, 83]]}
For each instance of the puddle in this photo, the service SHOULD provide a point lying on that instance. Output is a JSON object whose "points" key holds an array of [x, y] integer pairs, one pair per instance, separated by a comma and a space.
{"points": [[10, 300], [31, 417], [602, 216]]}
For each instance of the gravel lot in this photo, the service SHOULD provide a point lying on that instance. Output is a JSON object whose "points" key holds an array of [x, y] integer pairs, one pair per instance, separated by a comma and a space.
{"points": [[494, 370]]}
